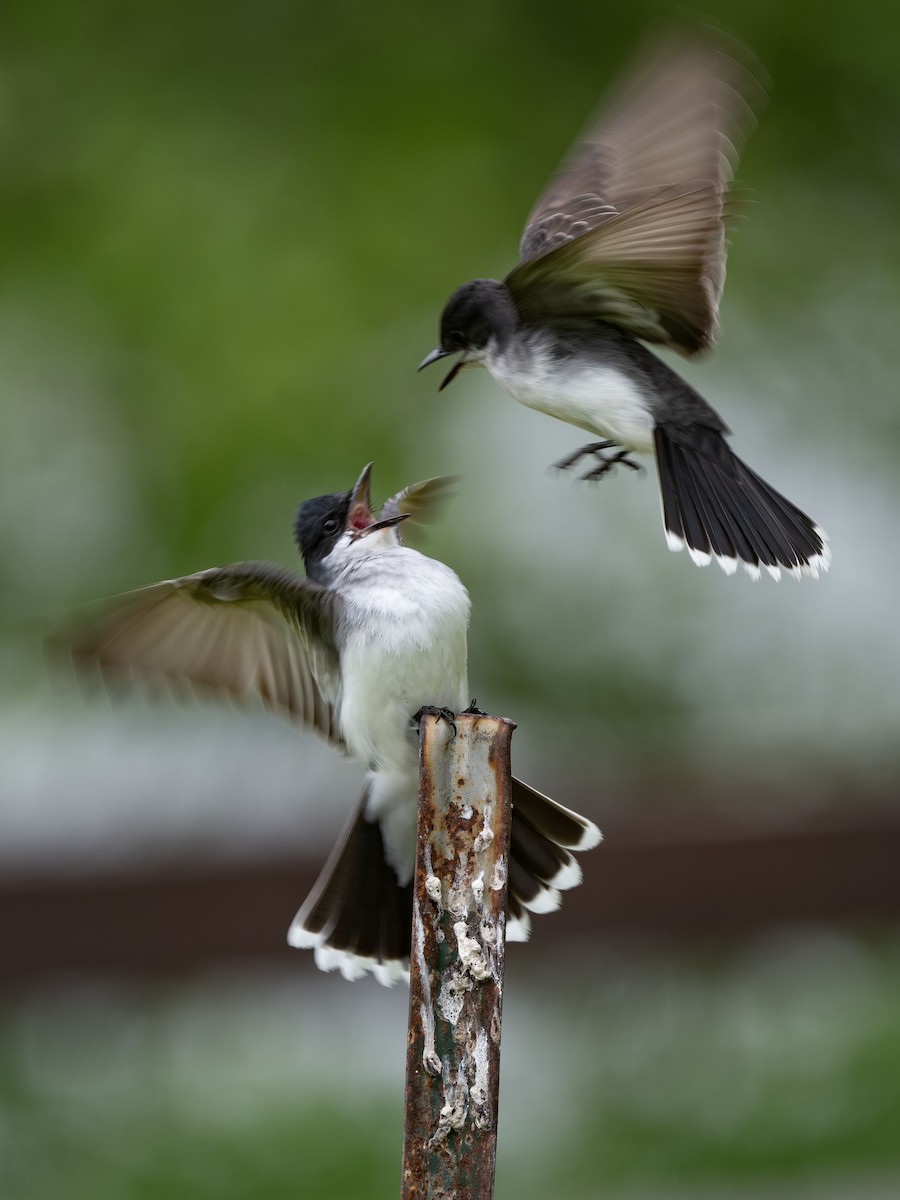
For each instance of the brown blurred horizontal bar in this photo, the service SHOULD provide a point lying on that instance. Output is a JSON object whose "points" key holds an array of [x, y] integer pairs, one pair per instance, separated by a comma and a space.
{"points": [[171, 919]]}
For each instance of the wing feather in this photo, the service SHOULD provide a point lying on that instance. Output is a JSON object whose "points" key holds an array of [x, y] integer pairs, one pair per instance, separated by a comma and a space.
{"points": [[250, 629], [422, 502], [646, 188]]}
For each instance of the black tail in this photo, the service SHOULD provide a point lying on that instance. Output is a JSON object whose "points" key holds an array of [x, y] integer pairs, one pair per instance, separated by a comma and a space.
{"points": [[717, 507], [540, 865], [358, 916]]}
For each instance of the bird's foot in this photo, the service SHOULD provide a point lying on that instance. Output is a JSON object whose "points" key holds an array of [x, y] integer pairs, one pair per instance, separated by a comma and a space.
{"points": [[595, 448], [605, 461], [473, 711], [608, 464], [442, 714]]}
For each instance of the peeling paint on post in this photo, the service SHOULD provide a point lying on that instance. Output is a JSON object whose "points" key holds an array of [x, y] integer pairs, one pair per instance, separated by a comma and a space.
{"points": [[456, 965]]}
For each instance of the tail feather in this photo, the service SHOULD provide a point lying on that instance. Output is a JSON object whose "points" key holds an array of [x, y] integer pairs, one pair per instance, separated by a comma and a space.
{"points": [[774, 528], [557, 824], [358, 917], [733, 538], [396, 916], [691, 509], [788, 519], [537, 855], [697, 534], [518, 920], [727, 532], [717, 507]]}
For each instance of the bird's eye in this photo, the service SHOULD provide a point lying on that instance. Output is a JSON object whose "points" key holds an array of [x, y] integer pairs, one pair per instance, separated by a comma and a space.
{"points": [[331, 525]]}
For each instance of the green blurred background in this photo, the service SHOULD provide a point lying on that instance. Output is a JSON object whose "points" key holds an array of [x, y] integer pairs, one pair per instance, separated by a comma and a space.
{"points": [[228, 231]]}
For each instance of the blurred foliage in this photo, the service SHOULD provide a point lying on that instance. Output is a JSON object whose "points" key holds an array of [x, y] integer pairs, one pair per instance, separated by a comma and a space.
{"points": [[768, 1071]]}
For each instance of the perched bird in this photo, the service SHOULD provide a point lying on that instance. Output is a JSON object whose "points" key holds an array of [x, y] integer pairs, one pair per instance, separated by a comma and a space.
{"points": [[627, 245], [374, 633]]}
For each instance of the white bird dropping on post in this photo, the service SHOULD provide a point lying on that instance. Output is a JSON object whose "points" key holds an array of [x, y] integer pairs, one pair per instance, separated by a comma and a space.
{"points": [[456, 970]]}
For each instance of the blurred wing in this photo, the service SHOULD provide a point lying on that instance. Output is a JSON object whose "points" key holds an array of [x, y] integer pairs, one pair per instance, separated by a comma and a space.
{"points": [[646, 270], [662, 154], [422, 502], [247, 629]]}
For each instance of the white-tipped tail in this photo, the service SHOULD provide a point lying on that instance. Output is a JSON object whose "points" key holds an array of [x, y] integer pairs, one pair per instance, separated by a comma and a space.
{"points": [[714, 506], [542, 835], [358, 917]]}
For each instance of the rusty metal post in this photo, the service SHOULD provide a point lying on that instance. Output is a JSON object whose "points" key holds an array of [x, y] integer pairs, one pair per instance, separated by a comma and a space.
{"points": [[457, 960]]}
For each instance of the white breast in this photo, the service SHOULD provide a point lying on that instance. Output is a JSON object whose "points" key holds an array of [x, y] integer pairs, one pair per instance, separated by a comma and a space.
{"points": [[403, 646], [600, 399]]}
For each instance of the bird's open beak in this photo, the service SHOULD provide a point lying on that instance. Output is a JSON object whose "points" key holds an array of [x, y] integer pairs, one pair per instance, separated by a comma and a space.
{"points": [[434, 356], [385, 524], [359, 511], [360, 518]]}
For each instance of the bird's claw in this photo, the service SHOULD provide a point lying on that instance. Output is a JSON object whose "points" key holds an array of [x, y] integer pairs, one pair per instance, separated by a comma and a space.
{"points": [[595, 448], [442, 714], [473, 711], [606, 462]]}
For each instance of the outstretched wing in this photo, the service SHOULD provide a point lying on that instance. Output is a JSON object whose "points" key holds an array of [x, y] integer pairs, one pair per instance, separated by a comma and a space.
{"points": [[246, 629], [632, 228], [421, 502]]}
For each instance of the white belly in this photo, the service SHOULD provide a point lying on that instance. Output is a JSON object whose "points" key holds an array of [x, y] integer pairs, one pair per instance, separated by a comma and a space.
{"points": [[599, 399], [405, 647], [402, 645], [416, 660], [383, 686]]}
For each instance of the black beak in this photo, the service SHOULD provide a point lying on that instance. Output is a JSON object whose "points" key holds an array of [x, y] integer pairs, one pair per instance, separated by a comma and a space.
{"points": [[360, 493], [440, 353], [385, 524], [452, 373], [359, 507], [437, 353]]}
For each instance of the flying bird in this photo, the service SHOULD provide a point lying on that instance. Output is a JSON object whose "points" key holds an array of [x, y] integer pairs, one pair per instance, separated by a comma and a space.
{"points": [[374, 634], [626, 245]]}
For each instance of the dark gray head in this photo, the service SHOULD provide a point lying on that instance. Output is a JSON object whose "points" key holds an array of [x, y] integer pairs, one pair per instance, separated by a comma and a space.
{"points": [[320, 523], [476, 312]]}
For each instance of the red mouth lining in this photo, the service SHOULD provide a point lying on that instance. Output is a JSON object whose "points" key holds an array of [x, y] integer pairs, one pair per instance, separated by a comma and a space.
{"points": [[359, 518]]}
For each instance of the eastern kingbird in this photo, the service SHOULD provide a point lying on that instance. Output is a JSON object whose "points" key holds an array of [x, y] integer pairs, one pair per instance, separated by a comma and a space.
{"points": [[373, 634], [628, 242]]}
